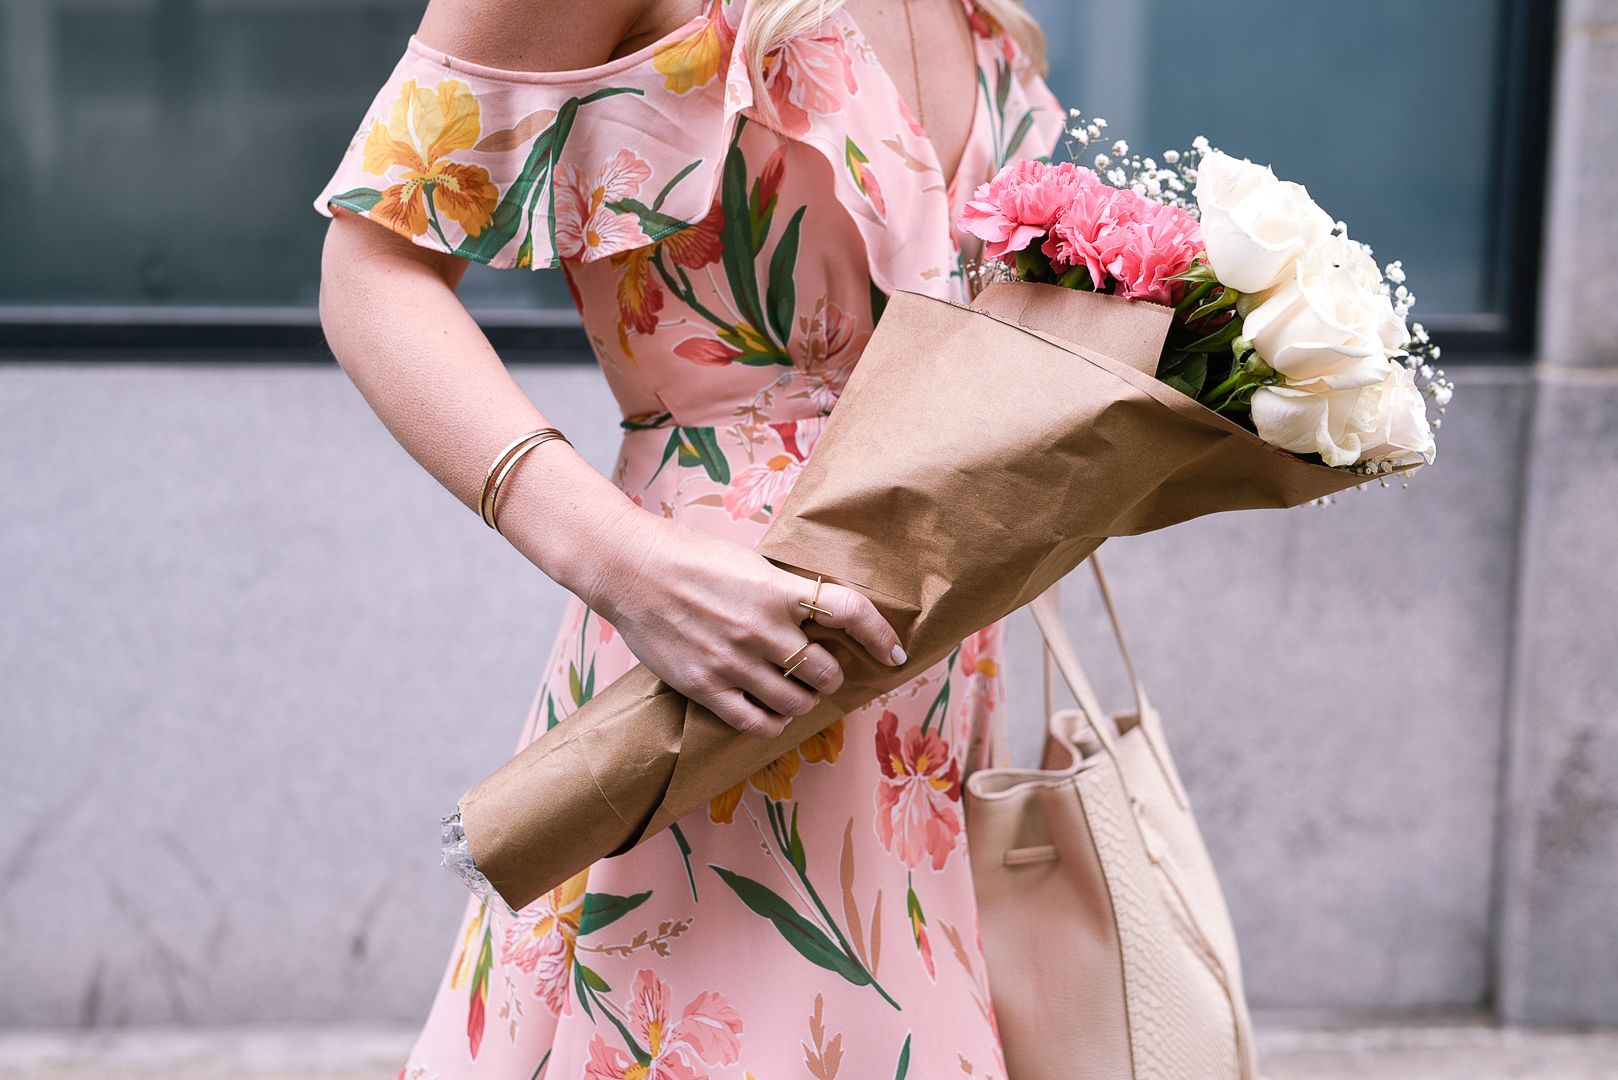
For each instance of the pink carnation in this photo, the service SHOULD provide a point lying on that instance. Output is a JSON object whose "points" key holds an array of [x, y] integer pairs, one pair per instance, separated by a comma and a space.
{"points": [[1079, 235], [1147, 247], [1021, 204]]}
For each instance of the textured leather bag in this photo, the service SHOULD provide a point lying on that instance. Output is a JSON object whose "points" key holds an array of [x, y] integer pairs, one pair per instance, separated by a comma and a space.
{"points": [[1109, 947]]}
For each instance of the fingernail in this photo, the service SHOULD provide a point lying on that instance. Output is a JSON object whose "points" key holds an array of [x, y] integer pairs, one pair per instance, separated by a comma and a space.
{"points": [[899, 656]]}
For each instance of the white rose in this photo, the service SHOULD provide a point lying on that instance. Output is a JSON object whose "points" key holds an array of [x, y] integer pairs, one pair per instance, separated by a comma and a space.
{"points": [[1373, 412], [1327, 416], [1254, 225], [1327, 318], [1400, 431]]}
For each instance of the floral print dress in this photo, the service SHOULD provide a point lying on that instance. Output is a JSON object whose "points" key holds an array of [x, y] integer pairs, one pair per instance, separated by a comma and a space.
{"points": [[728, 266]]}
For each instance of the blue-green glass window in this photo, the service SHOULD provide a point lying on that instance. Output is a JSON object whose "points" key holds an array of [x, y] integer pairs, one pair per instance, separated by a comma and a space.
{"points": [[161, 154]]}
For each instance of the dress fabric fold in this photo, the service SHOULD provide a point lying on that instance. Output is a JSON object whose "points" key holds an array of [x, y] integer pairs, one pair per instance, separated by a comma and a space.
{"points": [[729, 268]]}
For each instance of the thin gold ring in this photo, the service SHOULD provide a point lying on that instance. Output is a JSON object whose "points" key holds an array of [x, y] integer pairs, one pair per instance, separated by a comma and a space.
{"points": [[814, 605], [795, 652], [796, 666]]}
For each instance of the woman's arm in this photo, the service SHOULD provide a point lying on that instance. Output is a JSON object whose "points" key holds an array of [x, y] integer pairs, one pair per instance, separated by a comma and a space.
{"points": [[710, 618]]}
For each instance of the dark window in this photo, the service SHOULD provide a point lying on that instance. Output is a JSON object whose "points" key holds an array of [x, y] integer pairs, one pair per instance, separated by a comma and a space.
{"points": [[162, 154]]}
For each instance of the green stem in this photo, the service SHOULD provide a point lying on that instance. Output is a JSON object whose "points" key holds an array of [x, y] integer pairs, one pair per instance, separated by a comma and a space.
{"points": [[778, 826], [687, 295], [1192, 297]]}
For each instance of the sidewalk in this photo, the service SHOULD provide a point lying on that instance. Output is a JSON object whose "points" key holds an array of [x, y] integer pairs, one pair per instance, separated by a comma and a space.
{"points": [[1442, 1050]]}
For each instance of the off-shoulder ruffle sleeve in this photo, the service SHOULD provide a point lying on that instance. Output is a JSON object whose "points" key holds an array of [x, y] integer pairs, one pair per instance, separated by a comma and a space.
{"points": [[526, 169]]}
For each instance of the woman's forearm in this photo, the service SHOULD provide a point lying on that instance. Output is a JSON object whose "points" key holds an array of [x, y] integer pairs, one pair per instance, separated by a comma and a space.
{"points": [[394, 323]]}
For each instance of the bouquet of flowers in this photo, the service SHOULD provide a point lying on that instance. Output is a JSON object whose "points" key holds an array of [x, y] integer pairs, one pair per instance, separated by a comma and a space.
{"points": [[1282, 323], [977, 455]]}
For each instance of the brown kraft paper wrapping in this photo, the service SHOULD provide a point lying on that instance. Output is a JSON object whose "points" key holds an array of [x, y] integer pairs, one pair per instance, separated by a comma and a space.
{"points": [[973, 460]]}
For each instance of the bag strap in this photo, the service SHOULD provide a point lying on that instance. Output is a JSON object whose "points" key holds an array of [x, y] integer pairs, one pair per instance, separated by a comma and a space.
{"points": [[1059, 648]]}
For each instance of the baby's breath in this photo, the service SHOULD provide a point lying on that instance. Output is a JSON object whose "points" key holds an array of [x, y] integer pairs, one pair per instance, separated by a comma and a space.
{"points": [[1169, 183]]}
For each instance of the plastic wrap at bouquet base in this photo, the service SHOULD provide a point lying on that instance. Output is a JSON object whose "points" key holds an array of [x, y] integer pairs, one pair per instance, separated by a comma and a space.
{"points": [[974, 459]]}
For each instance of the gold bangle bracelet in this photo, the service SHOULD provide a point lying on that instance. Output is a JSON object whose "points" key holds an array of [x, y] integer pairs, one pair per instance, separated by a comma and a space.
{"points": [[498, 472]]}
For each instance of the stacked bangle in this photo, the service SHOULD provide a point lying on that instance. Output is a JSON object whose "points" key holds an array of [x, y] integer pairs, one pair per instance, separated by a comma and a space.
{"points": [[502, 466]]}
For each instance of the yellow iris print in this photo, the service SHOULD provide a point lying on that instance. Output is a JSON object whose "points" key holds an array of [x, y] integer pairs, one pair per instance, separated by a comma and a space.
{"points": [[694, 61], [423, 128]]}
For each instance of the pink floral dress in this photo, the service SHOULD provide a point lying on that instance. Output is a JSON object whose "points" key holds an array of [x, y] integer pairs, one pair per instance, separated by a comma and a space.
{"points": [[729, 269]]}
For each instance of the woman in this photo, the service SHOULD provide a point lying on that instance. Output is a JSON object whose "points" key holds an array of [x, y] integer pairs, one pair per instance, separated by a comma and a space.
{"points": [[732, 189]]}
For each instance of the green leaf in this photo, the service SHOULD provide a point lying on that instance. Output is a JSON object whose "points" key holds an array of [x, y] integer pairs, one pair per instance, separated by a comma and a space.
{"points": [[580, 993], [654, 223], [603, 909], [1218, 339], [1002, 86], [700, 446], [795, 850], [536, 171], [1187, 372], [761, 215], [575, 687], [669, 450], [1199, 270], [737, 236], [550, 711], [360, 200], [590, 682], [685, 853], [594, 981], [1174, 382], [904, 1060], [799, 932], [940, 703], [508, 214], [782, 296], [1225, 299], [657, 204], [1023, 127]]}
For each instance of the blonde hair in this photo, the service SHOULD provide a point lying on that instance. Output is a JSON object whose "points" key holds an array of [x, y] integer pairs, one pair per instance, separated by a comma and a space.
{"points": [[770, 23]]}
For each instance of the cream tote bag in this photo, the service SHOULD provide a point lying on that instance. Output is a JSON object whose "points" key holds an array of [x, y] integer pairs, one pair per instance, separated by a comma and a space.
{"points": [[1109, 948]]}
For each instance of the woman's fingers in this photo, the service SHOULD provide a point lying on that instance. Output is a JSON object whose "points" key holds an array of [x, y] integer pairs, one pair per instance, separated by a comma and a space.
{"points": [[745, 715], [845, 609], [817, 669]]}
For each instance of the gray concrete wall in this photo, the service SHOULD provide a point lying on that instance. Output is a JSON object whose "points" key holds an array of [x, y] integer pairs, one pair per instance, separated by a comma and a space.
{"points": [[250, 653], [1558, 928]]}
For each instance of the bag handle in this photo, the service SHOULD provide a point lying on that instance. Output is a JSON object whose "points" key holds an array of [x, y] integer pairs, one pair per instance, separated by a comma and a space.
{"points": [[1059, 648]]}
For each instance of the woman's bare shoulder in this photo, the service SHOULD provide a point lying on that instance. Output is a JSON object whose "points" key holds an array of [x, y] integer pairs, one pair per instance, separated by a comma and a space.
{"points": [[549, 35]]}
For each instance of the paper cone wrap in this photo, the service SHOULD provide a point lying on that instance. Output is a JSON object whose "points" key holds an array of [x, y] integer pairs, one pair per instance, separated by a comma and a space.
{"points": [[973, 460]]}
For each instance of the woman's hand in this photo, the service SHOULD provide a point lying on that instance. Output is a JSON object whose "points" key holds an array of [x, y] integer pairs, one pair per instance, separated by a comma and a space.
{"points": [[709, 617], [719, 623]]}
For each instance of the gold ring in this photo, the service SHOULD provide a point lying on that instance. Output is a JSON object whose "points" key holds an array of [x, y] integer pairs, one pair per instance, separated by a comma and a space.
{"points": [[796, 666], [795, 652], [814, 605]]}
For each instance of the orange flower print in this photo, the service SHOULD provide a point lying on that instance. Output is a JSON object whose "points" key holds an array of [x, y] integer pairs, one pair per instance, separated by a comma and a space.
{"points": [[708, 1033], [640, 294], [423, 128], [694, 61], [811, 73], [640, 297], [587, 227], [701, 244], [825, 745], [774, 780], [917, 803], [977, 661], [542, 938]]}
